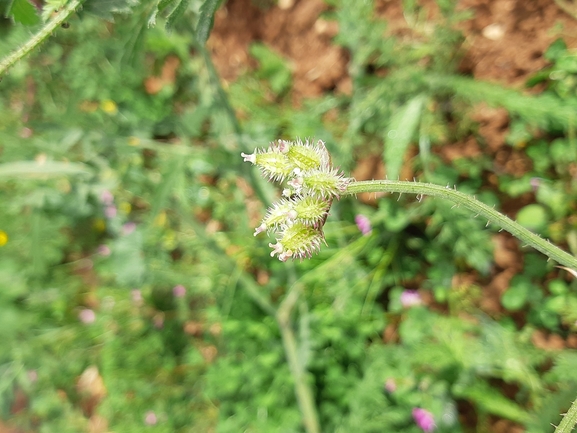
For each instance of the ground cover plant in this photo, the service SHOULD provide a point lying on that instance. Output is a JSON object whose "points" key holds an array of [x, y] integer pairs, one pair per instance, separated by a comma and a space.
{"points": [[133, 294]]}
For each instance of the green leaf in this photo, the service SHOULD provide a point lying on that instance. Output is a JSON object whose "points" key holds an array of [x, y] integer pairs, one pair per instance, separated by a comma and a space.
{"points": [[533, 217], [516, 296], [127, 259], [556, 50], [23, 12], [206, 20], [160, 6], [106, 8], [493, 402], [540, 110], [176, 13], [32, 169], [273, 68], [399, 134]]}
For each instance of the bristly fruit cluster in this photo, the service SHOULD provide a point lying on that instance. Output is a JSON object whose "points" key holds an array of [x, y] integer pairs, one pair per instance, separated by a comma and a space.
{"points": [[311, 185]]}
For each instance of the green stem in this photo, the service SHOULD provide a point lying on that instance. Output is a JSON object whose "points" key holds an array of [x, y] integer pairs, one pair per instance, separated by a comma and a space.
{"points": [[569, 420], [39, 37], [303, 391], [473, 205]]}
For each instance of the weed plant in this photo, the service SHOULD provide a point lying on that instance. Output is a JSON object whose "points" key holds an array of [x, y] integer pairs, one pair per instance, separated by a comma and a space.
{"points": [[134, 296]]}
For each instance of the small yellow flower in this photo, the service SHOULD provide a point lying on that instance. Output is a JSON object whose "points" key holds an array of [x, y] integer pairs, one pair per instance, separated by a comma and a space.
{"points": [[160, 220], [134, 141], [99, 225], [169, 240], [3, 238], [125, 207], [108, 106]]}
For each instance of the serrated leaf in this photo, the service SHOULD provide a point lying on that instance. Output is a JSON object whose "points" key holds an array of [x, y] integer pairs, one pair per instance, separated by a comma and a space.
{"points": [[206, 20], [399, 134], [50, 7], [176, 13], [160, 6], [106, 9], [23, 12]]}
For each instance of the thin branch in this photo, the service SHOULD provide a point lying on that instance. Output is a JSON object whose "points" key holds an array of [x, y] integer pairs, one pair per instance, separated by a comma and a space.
{"points": [[473, 205], [39, 37]]}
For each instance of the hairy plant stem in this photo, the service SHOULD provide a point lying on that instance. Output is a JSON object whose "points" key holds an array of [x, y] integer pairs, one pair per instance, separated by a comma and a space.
{"points": [[569, 420], [39, 37], [474, 205]]}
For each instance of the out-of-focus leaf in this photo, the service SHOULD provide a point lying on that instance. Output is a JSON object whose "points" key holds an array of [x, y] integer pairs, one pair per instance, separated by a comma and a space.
{"points": [[23, 12], [162, 4], [127, 259], [176, 14], [273, 68], [493, 402], [517, 294], [533, 217], [32, 169], [206, 20], [399, 133], [107, 8], [50, 7]]}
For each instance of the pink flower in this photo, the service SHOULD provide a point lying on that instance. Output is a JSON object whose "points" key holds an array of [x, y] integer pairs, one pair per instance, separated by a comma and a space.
{"points": [[106, 197], [179, 291], [424, 419], [390, 385], [32, 375], [137, 297], [150, 418], [158, 321], [103, 250], [410, 298], [364, 224], [26, 132], [87, 316], [128, 228], [110, 211]]}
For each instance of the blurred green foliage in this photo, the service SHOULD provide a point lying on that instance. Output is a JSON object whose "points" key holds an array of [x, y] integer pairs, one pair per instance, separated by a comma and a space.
{"points": [[119, 184]]}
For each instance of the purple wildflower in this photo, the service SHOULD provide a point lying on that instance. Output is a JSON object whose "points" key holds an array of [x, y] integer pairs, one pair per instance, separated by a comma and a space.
{"points": [[128, 228], [103, 250], [535, 183], [364, 224], [106, 197], [87, 316], [158, 321], [150, 418], [179, 291], [32, 375], [137, 297], [390, 385], [410, 298], [110, 211], [424, 419]]}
